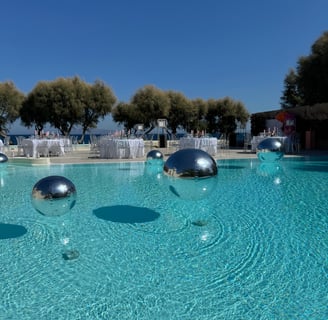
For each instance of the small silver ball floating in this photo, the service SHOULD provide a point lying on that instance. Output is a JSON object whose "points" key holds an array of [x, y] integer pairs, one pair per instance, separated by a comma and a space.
{"points": [[191, 174], [3, 158], [270, 149], [155, 157], [53, 196]]}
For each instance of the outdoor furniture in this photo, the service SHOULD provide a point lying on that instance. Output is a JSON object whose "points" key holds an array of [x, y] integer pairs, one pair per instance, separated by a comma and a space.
{"points": [[44, 147], [111, 148], [210, 145]]}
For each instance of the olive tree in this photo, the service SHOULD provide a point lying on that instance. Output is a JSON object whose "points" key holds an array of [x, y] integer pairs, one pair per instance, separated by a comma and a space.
{"points": [[151, 104], [179, 110], [97, 101], [11, 100], [224, 114], [126, 114], [36, 107], [66, 102]]}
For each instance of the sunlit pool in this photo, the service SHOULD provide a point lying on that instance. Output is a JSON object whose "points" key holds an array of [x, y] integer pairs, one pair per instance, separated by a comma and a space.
{"points": [[255, 248]]}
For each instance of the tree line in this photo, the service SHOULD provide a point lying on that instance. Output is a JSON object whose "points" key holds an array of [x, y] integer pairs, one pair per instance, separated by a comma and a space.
{"points": [[68, 102], [308, 83]]}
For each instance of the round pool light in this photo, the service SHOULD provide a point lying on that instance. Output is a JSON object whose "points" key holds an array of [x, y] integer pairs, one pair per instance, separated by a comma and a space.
{"points": [[270, 149], [53, 196]]}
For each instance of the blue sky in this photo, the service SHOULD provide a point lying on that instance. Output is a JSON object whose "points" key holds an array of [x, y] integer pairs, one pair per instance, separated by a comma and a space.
{"points": [[204, 49]]}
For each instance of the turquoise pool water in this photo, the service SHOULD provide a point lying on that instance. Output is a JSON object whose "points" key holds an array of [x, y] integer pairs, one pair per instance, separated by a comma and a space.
{"points": [[255, 248]]}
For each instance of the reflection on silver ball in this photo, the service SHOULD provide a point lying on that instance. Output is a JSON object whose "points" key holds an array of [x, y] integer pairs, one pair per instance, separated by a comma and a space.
{"points": [[155, 158], [154, 154], [270, 149], [271, 170], [191, 174], [53, 196], [187, 163], [3, 158], [191, 188]]}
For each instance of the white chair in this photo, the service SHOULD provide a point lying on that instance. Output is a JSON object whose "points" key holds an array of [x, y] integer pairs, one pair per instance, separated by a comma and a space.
{"points": [[123, 149], [20, 149], [94, 147], [55, 149], [42, 149]]}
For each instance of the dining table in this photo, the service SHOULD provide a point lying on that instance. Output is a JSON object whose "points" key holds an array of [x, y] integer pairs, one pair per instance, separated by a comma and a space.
{"points": [[124, 148], [35, 147], [209, 145]]}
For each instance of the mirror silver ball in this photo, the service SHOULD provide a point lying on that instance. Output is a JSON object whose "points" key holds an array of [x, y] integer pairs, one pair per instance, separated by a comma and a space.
{"points": [[190, 163], [53, 196], [154, 154], [191, 174], [270, 149], [3, 158], [155, 157]]}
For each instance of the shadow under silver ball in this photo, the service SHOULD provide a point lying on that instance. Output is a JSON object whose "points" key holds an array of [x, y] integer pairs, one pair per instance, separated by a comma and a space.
{"points": [[3, 158], [270, 149], [191, 174], [54, 196]]}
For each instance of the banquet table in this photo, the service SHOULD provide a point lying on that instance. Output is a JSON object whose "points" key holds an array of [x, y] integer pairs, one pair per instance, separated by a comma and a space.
{"points": [[210, 145], [35, 147], [257, 139], [110, 148]]}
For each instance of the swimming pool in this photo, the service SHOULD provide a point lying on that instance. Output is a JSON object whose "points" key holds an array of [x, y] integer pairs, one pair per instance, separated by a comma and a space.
{"points": [[255, 248]]}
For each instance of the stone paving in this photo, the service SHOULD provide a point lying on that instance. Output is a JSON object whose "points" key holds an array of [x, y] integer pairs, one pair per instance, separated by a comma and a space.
{"points": [[83, 154]]}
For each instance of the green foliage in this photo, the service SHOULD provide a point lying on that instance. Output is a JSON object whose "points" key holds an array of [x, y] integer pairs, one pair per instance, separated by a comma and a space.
{"points": [[66, 102], [11, 100], [223, 114], [291, 97], [126, 114], [152, 104], [179, 111], [97, 102], [309, 84]]}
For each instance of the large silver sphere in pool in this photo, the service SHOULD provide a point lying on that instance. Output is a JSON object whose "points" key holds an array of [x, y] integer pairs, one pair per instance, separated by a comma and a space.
{"points": [[3, 158], [190, 163], [270, 149], [191, 174], [53, 196]]}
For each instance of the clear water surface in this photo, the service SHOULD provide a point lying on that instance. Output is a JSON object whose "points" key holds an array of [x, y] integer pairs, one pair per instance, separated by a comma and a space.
{"points": [[255, 248]]}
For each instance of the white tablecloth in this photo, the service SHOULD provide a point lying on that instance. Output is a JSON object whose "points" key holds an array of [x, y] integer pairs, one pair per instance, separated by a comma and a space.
{"points": [[257, 139], [36, 147], [210, 145], [110, 148]]}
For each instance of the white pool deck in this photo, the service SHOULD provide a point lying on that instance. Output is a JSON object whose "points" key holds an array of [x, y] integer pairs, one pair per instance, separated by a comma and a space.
{"points": [[83, 154]]}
